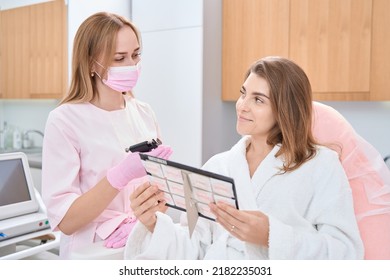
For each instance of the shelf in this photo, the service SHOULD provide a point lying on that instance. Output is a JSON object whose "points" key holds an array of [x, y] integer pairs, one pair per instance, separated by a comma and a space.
{"points": [[11, 245]]}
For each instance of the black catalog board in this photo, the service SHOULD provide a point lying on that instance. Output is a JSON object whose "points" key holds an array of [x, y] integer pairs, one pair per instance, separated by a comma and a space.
{"points": [[190, 189]]}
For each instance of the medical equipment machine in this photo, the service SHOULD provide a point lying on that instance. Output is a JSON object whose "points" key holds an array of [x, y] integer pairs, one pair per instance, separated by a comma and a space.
{"points": [[21, 212]]}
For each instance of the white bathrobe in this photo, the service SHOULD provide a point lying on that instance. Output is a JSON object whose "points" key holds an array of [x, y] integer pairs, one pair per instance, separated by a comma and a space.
{"points": [[310, 212]]}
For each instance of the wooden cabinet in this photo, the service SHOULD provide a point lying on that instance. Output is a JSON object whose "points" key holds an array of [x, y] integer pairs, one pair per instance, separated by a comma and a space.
{"points": [[342, 45], [33, 51], [251, 29]]}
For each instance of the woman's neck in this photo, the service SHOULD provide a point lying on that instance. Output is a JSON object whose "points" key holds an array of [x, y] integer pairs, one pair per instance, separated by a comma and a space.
{"points": [[256, 152], [109, 101]]}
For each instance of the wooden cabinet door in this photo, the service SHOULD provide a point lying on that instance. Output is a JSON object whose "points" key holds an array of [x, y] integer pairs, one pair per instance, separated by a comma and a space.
{"points": [[251, 29], [331, 41], [33, 51], [15, 41], [380, 51], [47, 50]]}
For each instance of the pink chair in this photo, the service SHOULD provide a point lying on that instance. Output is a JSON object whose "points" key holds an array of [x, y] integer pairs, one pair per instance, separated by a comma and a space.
{"points": [[368, 176]]}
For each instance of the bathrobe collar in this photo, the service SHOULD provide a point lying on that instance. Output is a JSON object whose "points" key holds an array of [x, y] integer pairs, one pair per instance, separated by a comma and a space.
{"points": [[248, 188]]}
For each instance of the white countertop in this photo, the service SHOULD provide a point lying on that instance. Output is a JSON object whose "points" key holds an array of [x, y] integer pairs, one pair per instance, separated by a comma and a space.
{"points": [[35, 160], [34, 155]]}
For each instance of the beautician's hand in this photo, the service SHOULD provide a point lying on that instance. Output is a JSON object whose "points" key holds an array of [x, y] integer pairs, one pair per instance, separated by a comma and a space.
{"points": [[131, 167], [248, 226], [145, 201], [118, 238]]}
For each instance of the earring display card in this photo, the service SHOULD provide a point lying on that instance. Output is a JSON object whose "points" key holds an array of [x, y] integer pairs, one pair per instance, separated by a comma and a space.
{"points": [[189, 189]]}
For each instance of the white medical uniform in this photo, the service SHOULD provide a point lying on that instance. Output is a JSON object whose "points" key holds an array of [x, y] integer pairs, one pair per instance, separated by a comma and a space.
{"points": [[81, 143], [310, 212]]}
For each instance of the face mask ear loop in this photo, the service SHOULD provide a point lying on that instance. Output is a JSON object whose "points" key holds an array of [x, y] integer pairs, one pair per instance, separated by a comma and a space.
{"points": [[97, 74], [100, 66]]}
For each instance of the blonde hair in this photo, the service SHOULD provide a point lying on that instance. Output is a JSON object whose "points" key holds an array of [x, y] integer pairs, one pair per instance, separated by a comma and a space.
{"points": [[291, 101], [95, 36]]}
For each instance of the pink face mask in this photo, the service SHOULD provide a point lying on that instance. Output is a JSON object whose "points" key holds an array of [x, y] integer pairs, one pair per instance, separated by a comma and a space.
{"points": [[122, 78]]}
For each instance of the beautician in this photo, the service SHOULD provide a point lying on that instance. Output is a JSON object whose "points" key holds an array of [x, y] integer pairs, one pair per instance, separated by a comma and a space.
{"points": [[86, 170]]}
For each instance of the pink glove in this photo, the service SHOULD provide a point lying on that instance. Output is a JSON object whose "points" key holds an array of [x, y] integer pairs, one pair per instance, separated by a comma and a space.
{"points": [[131, 167], [118, 238]]}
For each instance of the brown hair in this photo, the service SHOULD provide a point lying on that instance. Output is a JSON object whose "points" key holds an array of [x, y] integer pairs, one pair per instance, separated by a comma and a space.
{"points": [[95, 36], [291, 102]]}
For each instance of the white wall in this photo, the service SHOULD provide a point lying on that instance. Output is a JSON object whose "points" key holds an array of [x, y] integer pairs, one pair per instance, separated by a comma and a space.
{"points": [[27, 114], [219, 118], [2, 118], [171, 78], [78, 11], [370, 119]]}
